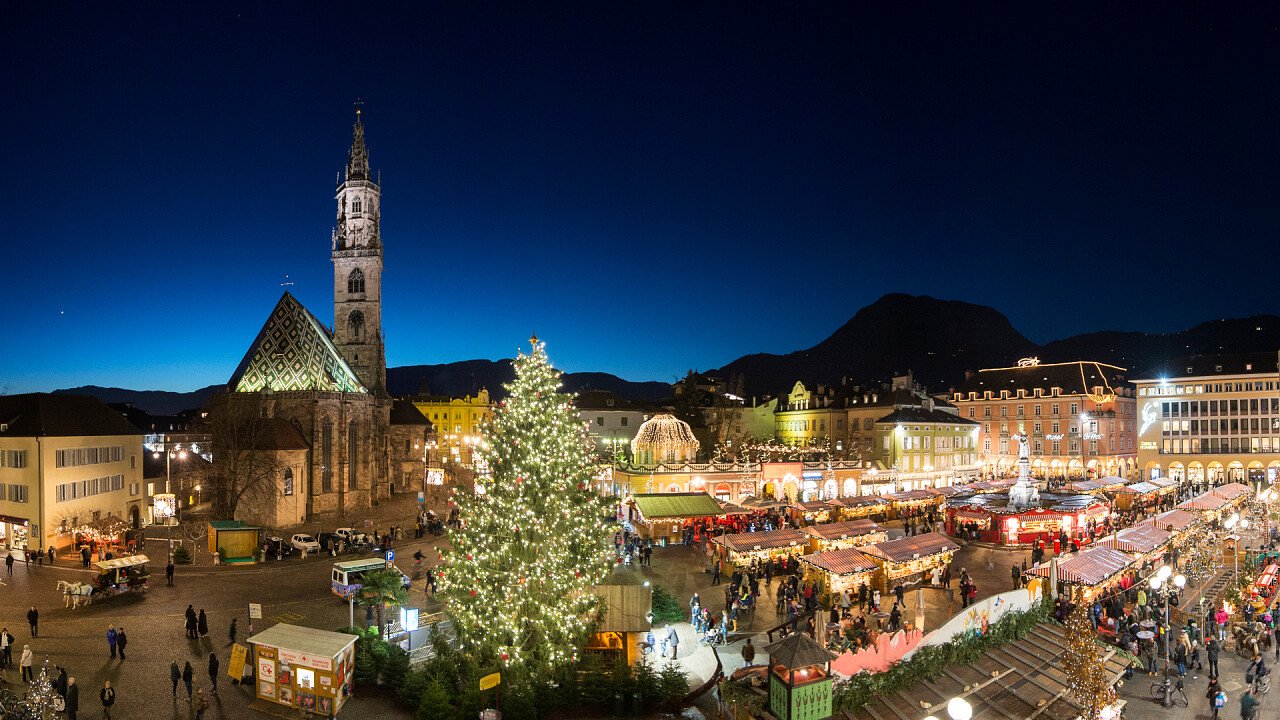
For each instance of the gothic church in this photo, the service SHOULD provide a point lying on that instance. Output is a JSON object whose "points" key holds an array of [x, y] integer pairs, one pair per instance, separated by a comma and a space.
{"points": [[325, 391]]}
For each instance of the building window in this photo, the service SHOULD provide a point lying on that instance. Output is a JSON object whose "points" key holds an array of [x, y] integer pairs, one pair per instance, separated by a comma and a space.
{"points": [[355, 282], [624, 421], [84, 488], [75, 457], [18, 493], [355, 207], [353, 456], [326, 457], [13, 458], [600, 420], [355, 326], [288, 481]]}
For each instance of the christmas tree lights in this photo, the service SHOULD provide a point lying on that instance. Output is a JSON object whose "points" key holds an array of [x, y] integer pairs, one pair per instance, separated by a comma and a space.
{"points": [[1084, 667], [533, 544]]}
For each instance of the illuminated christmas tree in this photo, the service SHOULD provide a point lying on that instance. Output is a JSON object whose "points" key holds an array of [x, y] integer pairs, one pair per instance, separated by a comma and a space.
{"points": [[1083, 665], [41, 699], [534, 537]]}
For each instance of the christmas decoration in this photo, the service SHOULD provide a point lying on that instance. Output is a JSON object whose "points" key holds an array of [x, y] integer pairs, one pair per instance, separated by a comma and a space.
{"points": [[1083, 665], [41, 700], [533, 545]]}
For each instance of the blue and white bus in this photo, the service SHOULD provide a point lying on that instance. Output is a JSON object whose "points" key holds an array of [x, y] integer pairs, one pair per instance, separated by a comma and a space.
{"points": [[346, 574]]}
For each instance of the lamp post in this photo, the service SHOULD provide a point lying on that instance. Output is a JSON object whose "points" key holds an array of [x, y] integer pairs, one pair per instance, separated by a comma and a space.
{"points": [[959, 709], [1160, 585], [1230, 524]]}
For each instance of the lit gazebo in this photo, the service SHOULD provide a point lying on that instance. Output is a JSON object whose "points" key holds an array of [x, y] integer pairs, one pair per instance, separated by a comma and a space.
{"points": [[799, 678]]}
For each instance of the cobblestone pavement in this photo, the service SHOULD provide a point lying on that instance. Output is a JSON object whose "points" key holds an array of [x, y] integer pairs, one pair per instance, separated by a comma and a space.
{"points": [[295, 591]]}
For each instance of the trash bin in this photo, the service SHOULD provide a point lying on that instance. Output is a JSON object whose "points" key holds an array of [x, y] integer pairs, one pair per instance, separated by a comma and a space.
{"points": [[637, 705], [619, 705]]}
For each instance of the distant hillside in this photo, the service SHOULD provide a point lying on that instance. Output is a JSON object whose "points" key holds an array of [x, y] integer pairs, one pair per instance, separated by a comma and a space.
{"points": [[469, 376], [155, 402], [940, 339]]}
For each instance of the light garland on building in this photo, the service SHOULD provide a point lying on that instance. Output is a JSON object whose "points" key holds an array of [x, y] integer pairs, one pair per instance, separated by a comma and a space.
{"points": [[663, 438], [519, 573]]}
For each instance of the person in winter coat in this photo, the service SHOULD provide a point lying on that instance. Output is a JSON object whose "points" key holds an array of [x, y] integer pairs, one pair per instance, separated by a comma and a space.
{"points": [[1180, 657], [1220, 618], [60, 683], [748, 653], [175, 675], [1248, 706], [121, 641], [1211, 648], [191, 622], [203, 624], [187, 676], [108, 697], [73, 699], [200, 705], [232, 633], [33, 619], [25, 661], [213, 672], [112, 636], [1212, 695]]}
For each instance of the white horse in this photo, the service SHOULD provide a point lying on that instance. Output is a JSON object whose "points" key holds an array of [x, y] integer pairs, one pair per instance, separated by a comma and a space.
{"points": [[73, 593]]}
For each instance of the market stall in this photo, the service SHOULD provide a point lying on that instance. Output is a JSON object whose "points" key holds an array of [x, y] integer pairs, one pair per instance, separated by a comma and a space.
{"points": [[913, 503], [1176, 521], [303, 667], [989, 518], [814, 511], [837, 570], [846, 534], [233, 540], [1145, 542], [908, 559], [864, 506], [1264, 588], [1091, 571], [1218, 502], [739, 550], [663, 516], [1095, 486]]}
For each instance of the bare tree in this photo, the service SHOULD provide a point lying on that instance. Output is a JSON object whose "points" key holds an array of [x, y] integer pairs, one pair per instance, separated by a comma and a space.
{"points": [[246, 462]]}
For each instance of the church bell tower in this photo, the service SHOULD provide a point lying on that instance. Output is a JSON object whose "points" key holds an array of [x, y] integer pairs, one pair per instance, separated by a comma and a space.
{"points": [[357, 270]]}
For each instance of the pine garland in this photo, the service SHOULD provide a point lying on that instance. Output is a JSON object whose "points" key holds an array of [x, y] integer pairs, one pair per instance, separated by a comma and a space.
{"points": [[534, 538]]}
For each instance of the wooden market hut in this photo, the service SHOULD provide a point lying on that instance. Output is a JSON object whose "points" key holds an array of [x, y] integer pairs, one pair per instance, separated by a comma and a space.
{"points": [[1145, 542], [239, 541], [914, 500], [864, 506], [1019, 679], [303, 667], [799, 678], [1089, 570], [815, 511], [662, 516], [1138, 495], [1214, 503], [626, 604], [737, 550], [838, 570], [904, 559], [845, 534], [1178, 521]]}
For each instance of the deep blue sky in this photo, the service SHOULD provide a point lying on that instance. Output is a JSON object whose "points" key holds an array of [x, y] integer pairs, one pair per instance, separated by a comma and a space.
{"points": [[649, 186]]}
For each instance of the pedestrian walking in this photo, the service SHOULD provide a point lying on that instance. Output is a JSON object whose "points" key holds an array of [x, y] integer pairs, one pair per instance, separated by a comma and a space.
{"points": [[112, 636], [60, 683], [108, 697], [213, 672], [1211, 649], [898, 591], [121, 641], [168, 573], [188, 675], [1212, 696], [203, 624], [201, 704], [232, 632], [191, 622], [748, 653], [8, 562], [25, 660], [6, 648], [33, 619], [175, 675], [1016, 573], [73, 699], [673, 639]]}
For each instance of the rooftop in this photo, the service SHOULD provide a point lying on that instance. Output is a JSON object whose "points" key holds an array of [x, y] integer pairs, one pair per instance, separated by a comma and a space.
{"points": [[1263, 363], [57, 415], [304, 640], [1072, 378]]}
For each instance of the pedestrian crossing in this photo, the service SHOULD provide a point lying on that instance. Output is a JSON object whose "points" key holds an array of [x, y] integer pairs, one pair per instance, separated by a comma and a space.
{"points": [[288, 617]]}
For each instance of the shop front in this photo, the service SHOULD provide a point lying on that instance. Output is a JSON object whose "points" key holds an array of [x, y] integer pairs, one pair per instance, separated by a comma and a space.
{"points": [[914, 503], [835, 571], [864, 506], [909, 559], [15, 533], [663, 517], [1137, 496], [304, 668], [815, 511]]}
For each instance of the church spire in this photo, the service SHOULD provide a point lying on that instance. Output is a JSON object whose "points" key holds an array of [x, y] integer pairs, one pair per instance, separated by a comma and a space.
{"points": [[358, 158]]}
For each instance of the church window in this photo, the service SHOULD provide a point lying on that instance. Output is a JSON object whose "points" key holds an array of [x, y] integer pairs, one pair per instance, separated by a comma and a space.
{"points": [[355, 326], [288, 481], [355, 282], [353, 458], [326, 457], [355, 207]]}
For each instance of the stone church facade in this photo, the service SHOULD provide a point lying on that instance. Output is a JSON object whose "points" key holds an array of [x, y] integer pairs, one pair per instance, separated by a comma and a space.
{"points": [[331, 385]]}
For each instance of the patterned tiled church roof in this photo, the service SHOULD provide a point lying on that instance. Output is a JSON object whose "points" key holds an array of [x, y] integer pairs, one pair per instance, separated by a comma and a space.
{"points": [[293, 352]]}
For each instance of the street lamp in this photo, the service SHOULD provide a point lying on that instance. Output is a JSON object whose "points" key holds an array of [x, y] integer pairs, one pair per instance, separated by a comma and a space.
{"points": [[1160, 585], [959, 709]]}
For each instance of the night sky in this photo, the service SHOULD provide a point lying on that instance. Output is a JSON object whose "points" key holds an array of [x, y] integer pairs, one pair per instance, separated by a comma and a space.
{"points": [[650, 186]]}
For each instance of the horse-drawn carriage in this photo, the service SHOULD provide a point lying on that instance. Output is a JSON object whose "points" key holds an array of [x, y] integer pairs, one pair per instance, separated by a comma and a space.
{"points": [[115, 577]]}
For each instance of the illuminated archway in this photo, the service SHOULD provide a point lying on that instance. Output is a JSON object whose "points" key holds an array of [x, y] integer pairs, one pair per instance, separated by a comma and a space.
{"points": [[850, 487], [1152, 470]]}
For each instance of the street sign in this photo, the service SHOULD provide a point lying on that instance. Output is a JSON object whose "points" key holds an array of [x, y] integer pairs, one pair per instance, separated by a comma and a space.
{"points": [[490, 681], [255, 611], [391, 558], [421, 497]]}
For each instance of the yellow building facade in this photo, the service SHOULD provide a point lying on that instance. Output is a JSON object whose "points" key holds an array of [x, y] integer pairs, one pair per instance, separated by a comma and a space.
{"points": [[458, 423]]}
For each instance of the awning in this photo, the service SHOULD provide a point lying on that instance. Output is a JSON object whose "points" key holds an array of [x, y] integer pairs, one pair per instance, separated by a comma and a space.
{"points": [[1141, 488], [841, 562], [1142, 539], [673, 506], [910, 548], [1089, 567], [1176, 520], [838, 530], [122, 562], [763, 540]]}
